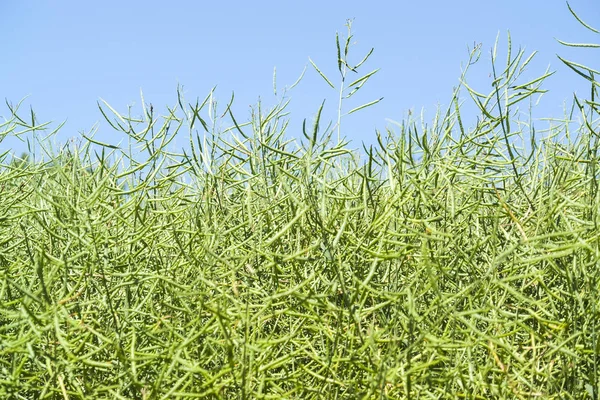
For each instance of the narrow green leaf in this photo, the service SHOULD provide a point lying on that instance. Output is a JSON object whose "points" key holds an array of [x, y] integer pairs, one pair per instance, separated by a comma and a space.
{"points": [[580, 20], [590, 45], [89, 139], [316, 125], [339, 55], [347, 47], [534, 81], [364, 59], [364, 106], [108, 119], [299, 78], [196, 115], [527, 61], [364, 78], [574, 66], [113, 110], [322, 74]]}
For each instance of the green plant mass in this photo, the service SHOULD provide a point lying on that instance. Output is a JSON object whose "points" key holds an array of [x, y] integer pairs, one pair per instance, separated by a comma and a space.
{"points": [[458, 258]]}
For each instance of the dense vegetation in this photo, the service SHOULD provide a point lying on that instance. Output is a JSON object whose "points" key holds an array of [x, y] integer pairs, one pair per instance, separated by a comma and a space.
{"points": [[447, 262]]}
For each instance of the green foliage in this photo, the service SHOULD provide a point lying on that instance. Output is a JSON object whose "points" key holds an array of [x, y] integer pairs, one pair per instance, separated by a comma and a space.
{"points": [[447, 263], [22, 161]]}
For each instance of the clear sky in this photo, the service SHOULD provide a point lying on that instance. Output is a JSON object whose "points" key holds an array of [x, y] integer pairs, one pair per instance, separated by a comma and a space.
{"points": [[67, 54]]}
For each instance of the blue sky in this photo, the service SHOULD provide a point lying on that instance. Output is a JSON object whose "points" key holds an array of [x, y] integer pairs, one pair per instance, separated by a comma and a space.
{"points": [[66, 55]]}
